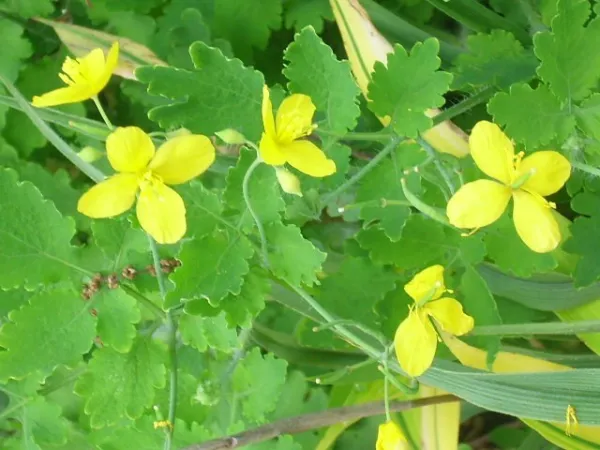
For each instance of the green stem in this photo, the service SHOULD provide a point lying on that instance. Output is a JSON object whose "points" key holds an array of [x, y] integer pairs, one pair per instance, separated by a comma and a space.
{"points": [[88, 169], [386, 387], [382, 203], [419, 205], [586, 168], [172, 343], [438, 164], [103, 113], [359, 326], [377, 136], [158, 312], [246, 195], [389, 148], [464, 105], [548, 328]]}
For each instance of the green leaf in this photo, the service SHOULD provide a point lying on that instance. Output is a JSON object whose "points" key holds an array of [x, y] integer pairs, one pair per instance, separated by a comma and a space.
{"points": [[303, 13], [121, 385], [472, 249], [246, 25], [27, 257], [117, 315], [263, 190], [129, 24], [18, 50], [30, 8], [408, 86], [203, 333], [314, 70], [421, 243], [11, 300], [118, 240], [203, 209], [220, 93], [381, 195], [43, 423], [211, 268], [292, 258], [533, 117], [241, 309], [258, 381], [496, 59], [480, 304], [583, 242], [55, 326], [509, 252], [588, 116], [563, 50]]}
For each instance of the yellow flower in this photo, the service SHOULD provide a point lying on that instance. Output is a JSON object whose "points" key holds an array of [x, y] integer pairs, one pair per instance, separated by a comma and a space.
{"points": [[390, 437], [282, 140], [160, 210], [416, 338], [85, 77], [527, 180]]}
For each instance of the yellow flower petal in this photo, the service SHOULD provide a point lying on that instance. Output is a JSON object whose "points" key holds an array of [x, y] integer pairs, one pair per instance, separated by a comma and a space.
{"points": [[294, 118], [62, 96], [448, 312], [110, 197], [270, 152], [103, 77], [182, 158], [550, 171], [390, 437], [129, 149], [428, 282], [492, 151], [288, 181], [308, 158], [161, 212], [477, 204], [267, 113], [535, 222], [415, 343]]}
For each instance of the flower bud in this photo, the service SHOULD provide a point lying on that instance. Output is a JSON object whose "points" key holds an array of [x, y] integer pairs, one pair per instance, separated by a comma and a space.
{"points": [[231, 136], [288, 181], [90, 154], [390, 437]]}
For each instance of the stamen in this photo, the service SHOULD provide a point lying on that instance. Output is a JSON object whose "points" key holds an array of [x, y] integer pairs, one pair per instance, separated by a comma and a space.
{"points": [[571, 420]]}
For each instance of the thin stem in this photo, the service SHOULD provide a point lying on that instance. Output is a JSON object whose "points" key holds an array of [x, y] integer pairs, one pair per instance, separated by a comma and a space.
{"points": [[102, 112], [359, 326], [438, 164], [426, 209], [246, 195], [382, 203], [386, 387], [172, 343], [586, 168], [88, 169], [157, 311], [464, 105], [389, 148], [528, 329], [377, 136], [311, 421]]}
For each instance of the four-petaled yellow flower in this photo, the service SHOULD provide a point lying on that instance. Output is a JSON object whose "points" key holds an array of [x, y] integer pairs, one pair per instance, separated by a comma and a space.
{"points": [[527, 180], [390, 437], [85, 77], [416, 338], [160, 210], [282, 140]]}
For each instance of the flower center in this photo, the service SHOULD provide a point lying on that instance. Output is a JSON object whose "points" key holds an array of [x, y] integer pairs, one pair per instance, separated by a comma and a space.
{"points": [[293, 128], [149, 180]]}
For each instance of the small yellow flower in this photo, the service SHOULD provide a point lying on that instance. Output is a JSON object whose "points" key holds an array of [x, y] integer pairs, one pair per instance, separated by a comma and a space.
{"points": [[160, 210], [85, 77], [416, 338], [282, 140], [527, 180], [390, 437]]}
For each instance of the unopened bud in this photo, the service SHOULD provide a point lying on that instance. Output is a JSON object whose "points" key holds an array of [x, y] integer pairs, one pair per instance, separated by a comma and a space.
{"points": [[231, 136], [288, 181], [90, 154]]}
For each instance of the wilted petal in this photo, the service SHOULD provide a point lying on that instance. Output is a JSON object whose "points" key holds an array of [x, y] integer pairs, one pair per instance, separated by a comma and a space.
{"points": [[492, 151], [448, 312], [161, 213], [309, 159], [549, 172], [428, 282], [182, 158], [535, 222], [129, 149], [390, 437], [294, 118], [110, 197], [478, 204], [415, 343]]}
